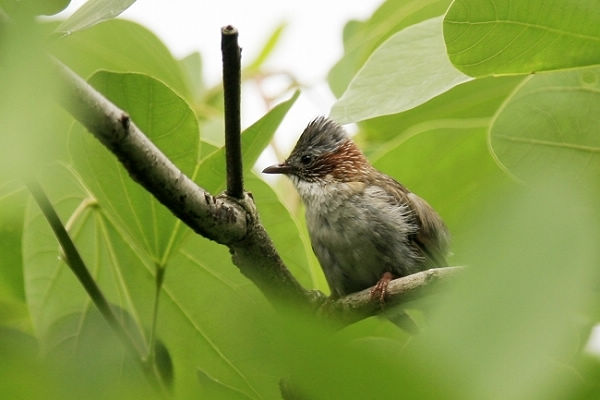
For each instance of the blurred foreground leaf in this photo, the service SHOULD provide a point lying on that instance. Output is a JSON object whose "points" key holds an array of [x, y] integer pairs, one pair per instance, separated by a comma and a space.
{"points": [[513, 326]]}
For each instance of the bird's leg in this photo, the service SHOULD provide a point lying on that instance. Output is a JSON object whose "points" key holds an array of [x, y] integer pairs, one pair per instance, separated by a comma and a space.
{"points": [[380, 289]]}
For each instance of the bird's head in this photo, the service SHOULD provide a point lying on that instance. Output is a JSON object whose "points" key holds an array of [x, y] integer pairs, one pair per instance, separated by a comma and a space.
{"points": [[324, 153]]}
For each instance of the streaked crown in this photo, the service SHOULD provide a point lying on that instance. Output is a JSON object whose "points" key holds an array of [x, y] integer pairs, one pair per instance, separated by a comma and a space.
{"points": [[321, 136]]}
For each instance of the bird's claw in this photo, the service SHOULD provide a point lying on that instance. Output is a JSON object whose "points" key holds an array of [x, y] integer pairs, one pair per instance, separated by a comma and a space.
{"points": [[380, 289]]}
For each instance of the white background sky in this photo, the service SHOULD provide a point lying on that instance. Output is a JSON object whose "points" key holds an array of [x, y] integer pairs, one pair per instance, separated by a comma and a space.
{"points": [[310, 45]]}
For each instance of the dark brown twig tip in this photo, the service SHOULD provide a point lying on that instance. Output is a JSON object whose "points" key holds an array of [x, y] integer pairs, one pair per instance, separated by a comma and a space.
{"points": [[229, 30]]}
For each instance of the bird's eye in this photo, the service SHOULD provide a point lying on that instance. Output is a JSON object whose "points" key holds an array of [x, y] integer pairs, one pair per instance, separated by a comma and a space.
{"points": [[306, 159]]}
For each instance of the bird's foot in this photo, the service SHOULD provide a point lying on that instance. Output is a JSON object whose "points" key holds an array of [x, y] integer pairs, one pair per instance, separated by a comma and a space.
{"points": [[379, 291]]}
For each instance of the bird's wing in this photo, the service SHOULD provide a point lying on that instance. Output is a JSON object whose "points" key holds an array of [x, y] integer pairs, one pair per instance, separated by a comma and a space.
{"points": [[432, 238], [432, 235]]}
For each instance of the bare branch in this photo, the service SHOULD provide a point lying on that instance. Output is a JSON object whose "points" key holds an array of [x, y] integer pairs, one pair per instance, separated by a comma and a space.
{"points": [[359, 305], [224, 219], [217, 218], [231, 93]]}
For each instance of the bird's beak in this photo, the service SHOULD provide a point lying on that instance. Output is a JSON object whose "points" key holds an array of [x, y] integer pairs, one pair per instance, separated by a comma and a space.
{"points": [[278, 169]]}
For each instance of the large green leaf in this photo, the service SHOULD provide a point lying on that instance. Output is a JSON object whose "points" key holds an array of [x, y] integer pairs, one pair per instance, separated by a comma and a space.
{"points": [[361, 38], [550, 125], [478, 98], [12, 203], [503, 36], [122, 270], [191, 66], [408, 69], [102, 48], [170, 124], [93, 12], [13, 311]]}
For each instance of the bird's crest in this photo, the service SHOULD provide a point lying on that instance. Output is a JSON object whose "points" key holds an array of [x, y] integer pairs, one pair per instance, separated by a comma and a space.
{"points": [[321, 136]]}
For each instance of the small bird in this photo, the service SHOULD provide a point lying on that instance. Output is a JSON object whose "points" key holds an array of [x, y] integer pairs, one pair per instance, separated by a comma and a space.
{"points": [[365, 228]]}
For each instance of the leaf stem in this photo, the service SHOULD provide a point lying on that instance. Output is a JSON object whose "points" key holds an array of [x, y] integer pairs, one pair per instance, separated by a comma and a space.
{"points": [[76, 264], [160, 275]]}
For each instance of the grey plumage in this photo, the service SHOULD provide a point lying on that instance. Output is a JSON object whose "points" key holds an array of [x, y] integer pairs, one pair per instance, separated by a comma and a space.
{"points": [[361, 222]]}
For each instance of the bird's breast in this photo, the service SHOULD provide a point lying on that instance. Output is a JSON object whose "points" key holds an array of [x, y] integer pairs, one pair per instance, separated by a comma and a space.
{"points": [[356, 235]]}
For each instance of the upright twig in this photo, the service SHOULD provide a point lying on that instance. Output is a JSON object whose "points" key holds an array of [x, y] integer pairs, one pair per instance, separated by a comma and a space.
{"points": [[232, 87]]}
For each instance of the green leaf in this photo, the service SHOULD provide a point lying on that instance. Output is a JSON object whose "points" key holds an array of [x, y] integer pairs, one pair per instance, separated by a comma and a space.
{"points": [[550, 125], [478, 98], [102, 48], [210, 320], [93, 12], [51, 7], [122, 270], [211, 175], [268, 48], [191, 65], [12, 207], [170, 124], [17, 8], [507, 37], [13, 309], [29, 139], [408, 69], [362, 38]]}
